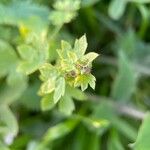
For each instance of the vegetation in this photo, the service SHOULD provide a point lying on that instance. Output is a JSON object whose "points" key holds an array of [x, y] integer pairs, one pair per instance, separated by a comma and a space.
{"points": [[74, 75]]}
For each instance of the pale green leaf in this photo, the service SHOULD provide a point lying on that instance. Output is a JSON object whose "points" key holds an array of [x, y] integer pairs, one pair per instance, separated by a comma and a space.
{"points": [[84, 86], [92, 81], [47, 87], [47, 102], [76, 93], [26, 52], [28, 67], [59, 89], [65, 46], [117, 8], [47, 71], [90, 57], [80, 46], [8, 118], [66, 105], [21, 11], [60, 130], [142, 141]]}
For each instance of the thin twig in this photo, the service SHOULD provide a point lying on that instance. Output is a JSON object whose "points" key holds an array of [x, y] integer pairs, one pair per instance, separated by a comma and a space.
{"points": [[112, 61], [120, 108]]}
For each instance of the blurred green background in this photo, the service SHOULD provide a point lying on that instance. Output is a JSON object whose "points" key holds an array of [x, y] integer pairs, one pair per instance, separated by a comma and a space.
{"points": [[113, 117]]}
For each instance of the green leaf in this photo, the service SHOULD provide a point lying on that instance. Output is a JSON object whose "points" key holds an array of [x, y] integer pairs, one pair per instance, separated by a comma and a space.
{"points": [[117, 8], [114, 142], [64, 11], [60, 130], [90, 57], [47, 102], [47, 87], [21, 11], [16, 84], [84, 80], [66, 105], [8, 118], [80, 46], [26, 52], [125, 82], [76, 93], [8, 58], [47, 71], [92, 81], [59, 89], [142, 141]]}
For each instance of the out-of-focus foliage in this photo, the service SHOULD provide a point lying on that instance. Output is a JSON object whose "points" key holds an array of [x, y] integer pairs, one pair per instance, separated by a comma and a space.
{"points": [[42, 72]]}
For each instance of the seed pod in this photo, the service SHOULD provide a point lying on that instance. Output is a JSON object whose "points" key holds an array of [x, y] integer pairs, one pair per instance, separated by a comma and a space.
{"points": [[72, 74], [86, 69]]}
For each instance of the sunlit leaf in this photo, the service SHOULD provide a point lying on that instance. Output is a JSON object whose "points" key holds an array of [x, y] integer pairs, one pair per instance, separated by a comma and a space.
{"points": [[59, 89]]}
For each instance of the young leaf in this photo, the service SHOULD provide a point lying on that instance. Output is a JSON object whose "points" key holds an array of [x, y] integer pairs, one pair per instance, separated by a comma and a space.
{"points": [[47, 71], [47, 102], [47, 87], [90, 57], [80, 46], [26, 52], [59, 89], [60, 130]]}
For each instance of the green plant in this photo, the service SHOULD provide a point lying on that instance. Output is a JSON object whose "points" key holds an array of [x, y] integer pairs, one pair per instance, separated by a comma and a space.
{"points": [[46, 66]]}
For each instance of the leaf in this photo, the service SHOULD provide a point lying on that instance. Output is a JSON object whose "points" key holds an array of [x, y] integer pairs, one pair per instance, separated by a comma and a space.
{"points": [[47, 102], [142, 141], [64, 11], [84, 80], [66, 105], [87, 3], [80, 46], [125, 82], [16, 84], [90, 57], [59, 89], [76, 93], [8, 58], [47, 71], [8, 118], [26, 52], [21, 11], [60, 130], [117, 8], [47, 87], [92, 80]]}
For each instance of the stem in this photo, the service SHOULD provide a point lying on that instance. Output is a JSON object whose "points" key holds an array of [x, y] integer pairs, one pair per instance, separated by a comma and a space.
{"points": [[113, 61], [120, 108]]}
